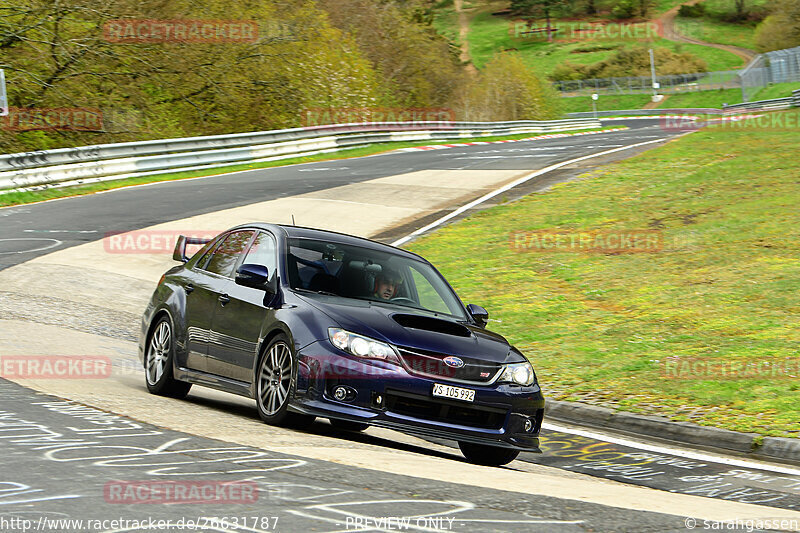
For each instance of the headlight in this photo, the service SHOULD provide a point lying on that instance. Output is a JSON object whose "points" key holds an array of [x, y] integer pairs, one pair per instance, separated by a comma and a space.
{"points": [[361, 346], [519, 373]]}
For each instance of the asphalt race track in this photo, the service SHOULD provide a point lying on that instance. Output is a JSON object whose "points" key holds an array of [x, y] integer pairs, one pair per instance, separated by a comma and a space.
{"points": [[62, 292], [73, 221]]}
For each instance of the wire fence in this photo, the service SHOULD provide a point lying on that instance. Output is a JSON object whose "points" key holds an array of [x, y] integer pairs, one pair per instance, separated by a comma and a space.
{"points": [[780, 66], [668, 84]]}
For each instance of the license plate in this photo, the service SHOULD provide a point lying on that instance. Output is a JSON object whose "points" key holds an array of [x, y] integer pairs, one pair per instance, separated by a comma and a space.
{"points": [[454, 393]]}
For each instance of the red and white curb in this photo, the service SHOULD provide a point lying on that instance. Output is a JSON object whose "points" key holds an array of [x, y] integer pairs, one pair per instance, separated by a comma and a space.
{"points": [[477, 143]]}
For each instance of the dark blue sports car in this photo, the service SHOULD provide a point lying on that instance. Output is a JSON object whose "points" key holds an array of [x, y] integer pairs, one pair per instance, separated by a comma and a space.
{"points": [[313, 323]]}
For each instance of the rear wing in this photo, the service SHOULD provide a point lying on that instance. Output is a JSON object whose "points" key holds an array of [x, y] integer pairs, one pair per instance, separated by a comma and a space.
{"points": [[180, 246]]}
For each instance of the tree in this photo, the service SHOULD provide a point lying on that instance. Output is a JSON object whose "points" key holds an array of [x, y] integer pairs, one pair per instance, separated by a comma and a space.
{"points": [[507, 90], [56, 55], [781, 29], [417, 67], [533, 8]]}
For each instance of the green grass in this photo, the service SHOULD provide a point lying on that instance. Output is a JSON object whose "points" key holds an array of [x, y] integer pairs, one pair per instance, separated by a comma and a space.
{"points": [[445, 21], [713, 99], [600, 326], [662, 6], [26, 197], [714, 31], [777, 90], [489, 34], [578, 104]]}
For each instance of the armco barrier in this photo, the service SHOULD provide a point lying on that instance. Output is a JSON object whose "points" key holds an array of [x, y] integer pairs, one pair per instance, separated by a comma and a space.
{"points": [[117, 161], [647, 112], [763, 105]]}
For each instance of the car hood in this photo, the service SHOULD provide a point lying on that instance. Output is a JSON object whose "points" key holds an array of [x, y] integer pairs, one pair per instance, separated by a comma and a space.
{"points": [[406, 328]]}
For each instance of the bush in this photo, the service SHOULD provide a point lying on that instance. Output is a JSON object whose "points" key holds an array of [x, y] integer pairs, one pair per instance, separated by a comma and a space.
{"points": [[595, 47], [632, 62], [780, 29], [624, 9], [692, 11], [507, 90]]}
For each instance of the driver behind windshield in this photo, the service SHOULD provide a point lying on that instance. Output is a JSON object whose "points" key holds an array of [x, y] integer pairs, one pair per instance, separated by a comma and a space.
{"points": [[387, 283]]}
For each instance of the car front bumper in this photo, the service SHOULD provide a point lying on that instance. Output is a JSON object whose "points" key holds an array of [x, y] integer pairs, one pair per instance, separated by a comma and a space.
{"points": [[387, 395]]}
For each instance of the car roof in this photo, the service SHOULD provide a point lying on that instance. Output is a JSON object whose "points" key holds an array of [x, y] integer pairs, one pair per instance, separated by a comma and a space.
{"points": [[300, 232]]}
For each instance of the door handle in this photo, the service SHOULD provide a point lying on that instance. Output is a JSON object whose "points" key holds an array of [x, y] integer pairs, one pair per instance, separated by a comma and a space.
{"points": [[224, 299], [188, 288]]}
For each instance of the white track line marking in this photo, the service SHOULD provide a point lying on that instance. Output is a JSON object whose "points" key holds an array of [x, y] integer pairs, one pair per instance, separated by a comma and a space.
{"points": [[700, 456], [54, 243], [511, 185]]}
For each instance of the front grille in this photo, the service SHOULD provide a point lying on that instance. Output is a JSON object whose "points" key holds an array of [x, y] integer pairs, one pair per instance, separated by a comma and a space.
{"points": [[431, 364], [444, 411]]}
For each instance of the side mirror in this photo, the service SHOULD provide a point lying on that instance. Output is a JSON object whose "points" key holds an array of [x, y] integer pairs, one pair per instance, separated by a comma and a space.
{"points": [[479, 314], [254, 276]]}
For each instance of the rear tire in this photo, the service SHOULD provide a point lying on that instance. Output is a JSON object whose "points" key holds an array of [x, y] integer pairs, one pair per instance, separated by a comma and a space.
{"points": [[159, 360], [346, 425], [276, 380], [481, 454]]}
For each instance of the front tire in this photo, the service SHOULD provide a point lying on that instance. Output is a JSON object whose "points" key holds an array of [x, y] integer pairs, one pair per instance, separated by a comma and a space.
{"points": [[276, 380], [159, 361], [481, 454]]}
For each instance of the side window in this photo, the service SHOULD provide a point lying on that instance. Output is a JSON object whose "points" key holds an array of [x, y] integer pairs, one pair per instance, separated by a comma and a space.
{"points": [[228, 252], [262, 252]]}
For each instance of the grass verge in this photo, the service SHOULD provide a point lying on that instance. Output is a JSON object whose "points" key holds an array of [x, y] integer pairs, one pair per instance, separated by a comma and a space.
{"points": [[601, 327], [714, 31], [714, 98], [489, 34], [776, 90], [27, 197], [577, 104]]}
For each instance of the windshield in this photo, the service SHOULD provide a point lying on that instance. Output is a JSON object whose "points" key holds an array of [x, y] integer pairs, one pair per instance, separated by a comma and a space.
{"points": [[354, 272]]}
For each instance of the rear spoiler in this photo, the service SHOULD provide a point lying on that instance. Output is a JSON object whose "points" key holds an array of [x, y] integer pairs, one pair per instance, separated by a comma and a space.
{"points": [[180, 246]]}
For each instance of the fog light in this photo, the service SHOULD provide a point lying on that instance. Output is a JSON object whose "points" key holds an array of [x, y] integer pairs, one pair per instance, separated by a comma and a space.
{"points": [[528, 425], [339, 393]]}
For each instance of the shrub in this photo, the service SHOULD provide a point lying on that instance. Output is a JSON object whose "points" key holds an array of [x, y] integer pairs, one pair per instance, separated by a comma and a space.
{"points": [[632, 62], [624, 9], [692, 11]]}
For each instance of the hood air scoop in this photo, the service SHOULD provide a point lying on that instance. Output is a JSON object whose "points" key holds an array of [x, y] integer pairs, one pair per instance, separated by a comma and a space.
{"points": [[431, 324]]}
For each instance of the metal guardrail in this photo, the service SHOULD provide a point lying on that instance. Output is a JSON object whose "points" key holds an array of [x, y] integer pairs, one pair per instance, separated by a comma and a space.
{"points": [[763, 105], [117, 161], [647, 112]]}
